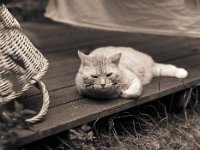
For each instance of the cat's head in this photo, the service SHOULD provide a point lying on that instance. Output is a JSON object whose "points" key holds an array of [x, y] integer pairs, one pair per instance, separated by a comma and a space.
{"points": [[100, 72]]}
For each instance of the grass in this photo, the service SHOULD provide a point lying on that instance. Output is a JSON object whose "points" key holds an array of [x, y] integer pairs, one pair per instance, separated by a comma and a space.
{"points": [[156, 125]]}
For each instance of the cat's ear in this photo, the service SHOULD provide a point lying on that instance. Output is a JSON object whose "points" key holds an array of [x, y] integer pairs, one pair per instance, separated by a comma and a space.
{"points": [[85, 60], [116, 58]]}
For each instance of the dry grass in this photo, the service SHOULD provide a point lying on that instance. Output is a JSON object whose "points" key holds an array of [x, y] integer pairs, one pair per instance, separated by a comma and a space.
{"points": [[158, 125], [174, 133]]}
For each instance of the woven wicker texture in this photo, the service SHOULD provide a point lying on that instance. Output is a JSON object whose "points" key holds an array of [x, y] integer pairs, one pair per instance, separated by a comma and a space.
{"points": [[18, 58], [21, 64]]}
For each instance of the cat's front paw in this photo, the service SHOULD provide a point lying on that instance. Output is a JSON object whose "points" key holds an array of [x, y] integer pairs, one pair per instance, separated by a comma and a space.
{"points": [[181, 73], [131, 94]]}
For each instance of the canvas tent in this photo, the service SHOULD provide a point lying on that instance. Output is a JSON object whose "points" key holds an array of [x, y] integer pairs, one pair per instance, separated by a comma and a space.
{"points": [[168, 17]]}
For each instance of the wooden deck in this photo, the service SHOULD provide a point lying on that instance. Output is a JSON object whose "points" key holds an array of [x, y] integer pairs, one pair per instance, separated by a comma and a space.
{"points": [[59, 44]]}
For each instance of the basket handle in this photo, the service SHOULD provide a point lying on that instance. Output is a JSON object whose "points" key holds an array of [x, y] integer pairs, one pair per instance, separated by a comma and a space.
{"points": [[41, 86]]}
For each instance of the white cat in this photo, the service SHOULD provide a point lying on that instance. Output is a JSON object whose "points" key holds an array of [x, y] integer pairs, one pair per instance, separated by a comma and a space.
{"points": [[110, 72]]}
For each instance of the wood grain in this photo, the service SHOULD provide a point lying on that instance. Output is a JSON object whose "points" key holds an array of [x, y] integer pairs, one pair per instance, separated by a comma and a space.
{"points": [[80, 111], [68, 109]]}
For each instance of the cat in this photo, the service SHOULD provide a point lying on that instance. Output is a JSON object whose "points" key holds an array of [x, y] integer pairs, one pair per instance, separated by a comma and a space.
{"points": [[111, 72]]}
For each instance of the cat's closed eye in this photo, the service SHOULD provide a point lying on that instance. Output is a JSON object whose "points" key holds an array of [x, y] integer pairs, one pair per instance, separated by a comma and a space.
{"points": [[94, 76], [109, 74]]}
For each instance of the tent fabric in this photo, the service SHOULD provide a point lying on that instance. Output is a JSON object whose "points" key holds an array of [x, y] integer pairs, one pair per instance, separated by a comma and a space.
{"points": [[168, 17]]}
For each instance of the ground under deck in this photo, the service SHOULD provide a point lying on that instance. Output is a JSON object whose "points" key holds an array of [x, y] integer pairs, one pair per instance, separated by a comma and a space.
{"points": [[59, 44]]}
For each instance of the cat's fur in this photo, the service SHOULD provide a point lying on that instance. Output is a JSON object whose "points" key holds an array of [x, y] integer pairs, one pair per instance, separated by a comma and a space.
{"points": [[111, 72]]}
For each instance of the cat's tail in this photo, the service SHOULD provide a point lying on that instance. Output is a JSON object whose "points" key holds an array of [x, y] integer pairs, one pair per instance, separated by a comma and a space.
{"points": [[169, 70]]}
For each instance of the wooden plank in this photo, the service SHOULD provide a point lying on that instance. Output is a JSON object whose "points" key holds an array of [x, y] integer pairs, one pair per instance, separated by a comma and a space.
{"points": [[62, 73], [72, 113], [61, 61], [68, 109], [58, 37], [81, 111], [68, 94]]}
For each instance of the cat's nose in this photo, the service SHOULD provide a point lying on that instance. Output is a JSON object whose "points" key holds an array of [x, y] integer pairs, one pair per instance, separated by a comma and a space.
{"points": [[103, 84]]}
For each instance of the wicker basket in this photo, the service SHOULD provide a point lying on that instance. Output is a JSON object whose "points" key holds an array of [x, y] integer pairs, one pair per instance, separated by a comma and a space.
{"points": [[21, 64]]}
